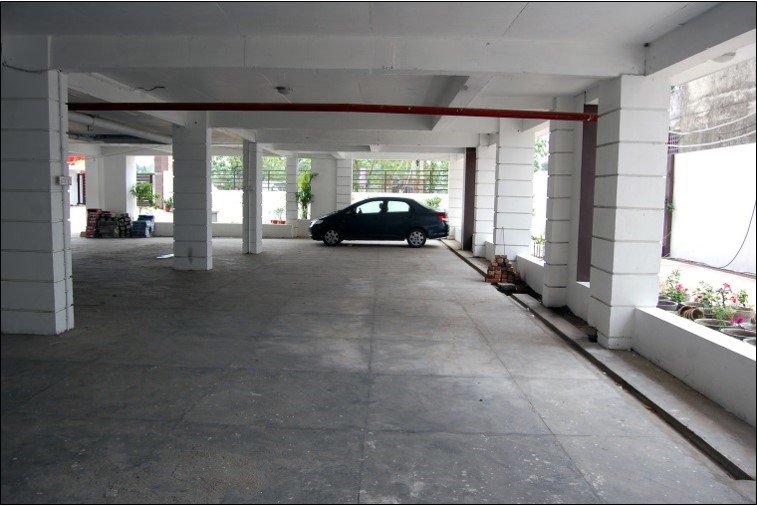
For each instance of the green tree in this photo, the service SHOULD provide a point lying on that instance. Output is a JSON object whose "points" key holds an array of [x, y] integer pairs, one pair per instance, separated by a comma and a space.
{"points": [[541, 154], [305, 191], [226, 172]]}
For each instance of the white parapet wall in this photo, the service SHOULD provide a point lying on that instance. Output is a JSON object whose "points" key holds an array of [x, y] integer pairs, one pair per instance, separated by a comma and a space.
{"points": [[716, 365], [532, 272]]}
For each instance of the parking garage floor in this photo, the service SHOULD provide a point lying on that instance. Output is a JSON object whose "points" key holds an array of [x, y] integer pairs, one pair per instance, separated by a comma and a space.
{"points": [[365, 373]]}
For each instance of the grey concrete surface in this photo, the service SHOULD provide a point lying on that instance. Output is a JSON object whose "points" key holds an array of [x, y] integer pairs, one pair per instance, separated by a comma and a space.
{"points": [[365, 373]]}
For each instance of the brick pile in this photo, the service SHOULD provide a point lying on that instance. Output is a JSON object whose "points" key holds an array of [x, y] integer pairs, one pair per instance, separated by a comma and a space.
{"points": [[500, 270], [107, 225], [93, 215]]}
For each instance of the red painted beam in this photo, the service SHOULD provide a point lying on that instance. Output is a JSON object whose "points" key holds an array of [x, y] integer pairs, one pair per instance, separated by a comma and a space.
{"points": [[354, 108]]}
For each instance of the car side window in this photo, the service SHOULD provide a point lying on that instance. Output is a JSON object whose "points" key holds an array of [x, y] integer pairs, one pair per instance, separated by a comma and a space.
{"points": [[397, 206], [372, 207]]}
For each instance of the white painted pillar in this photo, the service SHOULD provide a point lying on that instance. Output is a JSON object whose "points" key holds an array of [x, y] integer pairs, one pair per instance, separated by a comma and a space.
{"points": [[192, 231], [252, 198], [93, 167], [455, 185], [486, 166], [119, 176], [324, 184], [291, 185], [562, 138], [628, 204], [343, 183], [514, 190], [37, 288]]}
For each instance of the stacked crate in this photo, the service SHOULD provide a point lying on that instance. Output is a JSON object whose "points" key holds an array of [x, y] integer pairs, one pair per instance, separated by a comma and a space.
{"points": [[143, 227], [124, 225], [107, 226], [93, 215], [501, 270]]}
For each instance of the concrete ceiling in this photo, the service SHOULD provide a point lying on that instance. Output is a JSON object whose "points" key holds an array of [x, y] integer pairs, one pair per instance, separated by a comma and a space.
{"points": [[505, 55]]}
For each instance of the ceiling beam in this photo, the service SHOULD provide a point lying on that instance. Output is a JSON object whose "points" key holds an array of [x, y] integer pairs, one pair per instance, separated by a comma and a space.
{"points": [[371, 54], [106, 89], [460, 93], [724, 28]]}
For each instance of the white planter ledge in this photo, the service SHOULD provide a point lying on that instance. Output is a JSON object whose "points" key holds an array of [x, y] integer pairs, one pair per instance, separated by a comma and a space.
{"points": [[719, 366]]}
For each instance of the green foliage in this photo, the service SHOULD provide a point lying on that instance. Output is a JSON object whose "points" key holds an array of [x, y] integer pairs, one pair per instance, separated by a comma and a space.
{"points": [[539, 239], [144, 195], [673, 289], [541, 154], [227, 172], [433, 202], [305, 191], [168, 203], [279, 212]]}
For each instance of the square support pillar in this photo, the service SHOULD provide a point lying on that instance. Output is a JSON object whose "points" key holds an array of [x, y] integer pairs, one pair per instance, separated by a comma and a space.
{"points": [[486, 168], [252, 199], [629, 204], [291, 184], [562, 139], [37, 288], [343, 183], [513, 205], [456, 180], [193, 241]]}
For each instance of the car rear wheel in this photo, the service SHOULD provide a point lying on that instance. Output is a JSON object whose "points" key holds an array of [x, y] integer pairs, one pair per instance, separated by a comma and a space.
{"points": [[416, 238], [332, 237]]}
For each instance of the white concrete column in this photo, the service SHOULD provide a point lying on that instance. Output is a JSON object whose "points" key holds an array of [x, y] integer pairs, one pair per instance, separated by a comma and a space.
{"points": [[291, 183], [483, 227], [192, 231], [514, 190], [94, 170], [252, 199], [562, 138], [628, 204], [455, 185], [324, 184], [37, 288], [343, 183], [119, 176]]}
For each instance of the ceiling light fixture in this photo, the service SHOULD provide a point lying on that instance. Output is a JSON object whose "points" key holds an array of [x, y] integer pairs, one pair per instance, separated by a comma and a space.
{"points": [[724, 58]]}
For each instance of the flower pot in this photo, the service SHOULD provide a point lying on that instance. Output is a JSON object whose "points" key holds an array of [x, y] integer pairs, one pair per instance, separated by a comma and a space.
{"points": [[713, 324], [690, 313], [738, 333], [744, 313], [668, 305]]}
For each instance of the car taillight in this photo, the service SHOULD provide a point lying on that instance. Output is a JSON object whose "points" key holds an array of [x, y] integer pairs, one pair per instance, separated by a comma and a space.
{"points": [[443, 217]]}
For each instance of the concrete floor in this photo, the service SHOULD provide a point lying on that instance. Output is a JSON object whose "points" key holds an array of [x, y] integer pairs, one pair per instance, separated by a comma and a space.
{"points": [[366, 373]]}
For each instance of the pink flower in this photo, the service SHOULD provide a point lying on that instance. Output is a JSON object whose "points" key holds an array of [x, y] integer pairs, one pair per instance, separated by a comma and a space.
{"points": [[738, 321], [727, 286], [734, 299]]}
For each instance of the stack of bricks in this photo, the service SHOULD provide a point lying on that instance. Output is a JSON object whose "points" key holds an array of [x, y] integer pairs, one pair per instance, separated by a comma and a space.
{"points": [[107, 226], [501, 270], [93, 215]]}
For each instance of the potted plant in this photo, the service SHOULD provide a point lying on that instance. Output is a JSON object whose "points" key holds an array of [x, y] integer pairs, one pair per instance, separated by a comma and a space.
{"points": [[144, 195], [743, 309], [305, 192], [168, 204], [672, 292], [279, 212]]}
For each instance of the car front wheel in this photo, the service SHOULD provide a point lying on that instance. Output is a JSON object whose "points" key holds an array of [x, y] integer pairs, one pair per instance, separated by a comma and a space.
{"points": [[416, 238], [332, 237]]}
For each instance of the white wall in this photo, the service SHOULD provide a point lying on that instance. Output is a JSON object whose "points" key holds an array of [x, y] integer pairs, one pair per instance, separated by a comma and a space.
{"points": [[714, 196]]}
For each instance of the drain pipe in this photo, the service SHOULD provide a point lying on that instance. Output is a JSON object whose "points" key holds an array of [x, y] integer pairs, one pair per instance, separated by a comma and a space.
{"points": [[354, 108], [92, 121]]}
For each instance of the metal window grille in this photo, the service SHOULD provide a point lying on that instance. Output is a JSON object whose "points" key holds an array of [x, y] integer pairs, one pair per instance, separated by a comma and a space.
{"points": [[411, 179]]}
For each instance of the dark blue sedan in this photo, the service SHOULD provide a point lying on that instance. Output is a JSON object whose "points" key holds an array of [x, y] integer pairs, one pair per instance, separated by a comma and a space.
{"points": [[381, 219]]}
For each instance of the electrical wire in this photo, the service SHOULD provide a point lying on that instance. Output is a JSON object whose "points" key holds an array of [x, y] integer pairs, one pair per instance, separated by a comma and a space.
{"points": [[744, 241], [721, 141], [713, 127]]}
